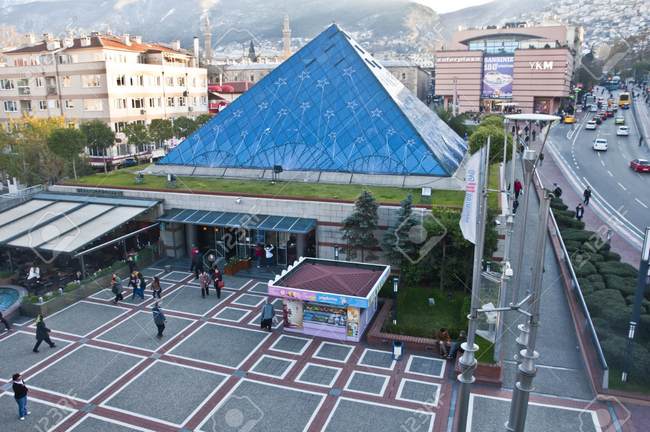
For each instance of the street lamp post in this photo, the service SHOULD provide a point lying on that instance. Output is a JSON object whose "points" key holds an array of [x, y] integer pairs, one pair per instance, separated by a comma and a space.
{"points": [[336, 253], [395, 288]]}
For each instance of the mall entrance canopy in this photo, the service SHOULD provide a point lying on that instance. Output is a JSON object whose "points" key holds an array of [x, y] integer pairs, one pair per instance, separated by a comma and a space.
{"points": [[51, 224]]}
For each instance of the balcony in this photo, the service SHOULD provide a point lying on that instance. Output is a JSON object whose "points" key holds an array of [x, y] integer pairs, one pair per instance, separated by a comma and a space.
{"points": [[52, 91], [24, 91]]}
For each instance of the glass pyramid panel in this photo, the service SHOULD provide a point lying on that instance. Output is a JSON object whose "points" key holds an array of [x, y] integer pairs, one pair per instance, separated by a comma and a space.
{"points": [[329, 107]]}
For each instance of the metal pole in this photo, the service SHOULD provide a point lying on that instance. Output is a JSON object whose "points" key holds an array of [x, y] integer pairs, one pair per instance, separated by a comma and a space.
{"points": [[395, 288], [505, 152], [83, 267], [526, 371], [514, 155], [638, 298], [468, 360], [505, 278]]}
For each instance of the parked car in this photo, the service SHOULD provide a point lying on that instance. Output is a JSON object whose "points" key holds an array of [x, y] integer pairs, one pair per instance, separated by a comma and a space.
{"points": [[591, 125], [600, 144], [569, 119], [619, 120], [593, 108], [597, 119], [622, 131], [129, 162], [640, 165]]}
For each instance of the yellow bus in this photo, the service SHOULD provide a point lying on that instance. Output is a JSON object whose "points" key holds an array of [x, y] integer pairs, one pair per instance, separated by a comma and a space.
{"points": [[624, 100]]}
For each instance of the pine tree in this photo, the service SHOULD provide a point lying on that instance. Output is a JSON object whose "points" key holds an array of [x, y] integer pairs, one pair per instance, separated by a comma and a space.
{"points": [[359, 228], [397, 241]]}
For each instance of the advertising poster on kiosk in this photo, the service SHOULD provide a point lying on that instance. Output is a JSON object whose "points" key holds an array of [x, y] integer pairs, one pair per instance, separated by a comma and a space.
{"points": [[324, 314], [292, 313], [353, 322], [497, 77]]}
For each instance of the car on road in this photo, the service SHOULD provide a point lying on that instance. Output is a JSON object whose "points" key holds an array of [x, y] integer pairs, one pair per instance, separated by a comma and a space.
{"points": [[619, 120], [600, 144], [591, 125], [597, 119], [609, 113], [129, 162], [622, 131], [593, 108], [569, 119], [640, 165]]}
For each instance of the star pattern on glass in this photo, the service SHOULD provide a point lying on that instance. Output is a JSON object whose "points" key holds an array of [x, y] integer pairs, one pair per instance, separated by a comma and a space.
{"points": [[352, 105], [329, 114], [217, 128], [376, 113], [305, 106], [267, 131], [237, 113], [332, 136], [391, 131], [283, 112], [262, 106], [280, 82], [410, 142], [244, 134], [304, 75], [360, 140], [348, 72], [322, 83]]}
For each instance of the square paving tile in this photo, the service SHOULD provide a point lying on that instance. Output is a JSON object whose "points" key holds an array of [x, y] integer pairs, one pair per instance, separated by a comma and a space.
{"points": [[259, 288], [277, 321], [324, 376], [84, 372], [234, 282], [273, 366], [418, 391], [104, 294], [377, 359], [175, 276], [251, 300], [150, 272], [231, 314], [83, 318], [220, 344], [129, 299], [92, 423], [188, 299], [291, 344], [254, 406], [364, 382], [139, 331], [334, 352], [491, 414], [426, 366], [358, 416], [167, 391], [16, 353], [44, 416]]}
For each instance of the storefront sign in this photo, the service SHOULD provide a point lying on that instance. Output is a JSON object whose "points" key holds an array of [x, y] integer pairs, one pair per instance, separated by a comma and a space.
{"points": [[541, 65], [312, 296], [497, 77], [457, 59]]}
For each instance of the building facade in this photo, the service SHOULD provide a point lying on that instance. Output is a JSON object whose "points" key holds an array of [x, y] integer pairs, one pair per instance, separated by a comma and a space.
{"points": [[515, 67], [118, 80]]}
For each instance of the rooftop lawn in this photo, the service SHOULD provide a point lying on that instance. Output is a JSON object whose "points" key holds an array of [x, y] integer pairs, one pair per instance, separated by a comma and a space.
{"points": [[393, 195]]}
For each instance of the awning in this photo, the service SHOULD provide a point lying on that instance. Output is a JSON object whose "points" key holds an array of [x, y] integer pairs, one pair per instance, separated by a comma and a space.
{"points": [[65, 223], [240, 220]]}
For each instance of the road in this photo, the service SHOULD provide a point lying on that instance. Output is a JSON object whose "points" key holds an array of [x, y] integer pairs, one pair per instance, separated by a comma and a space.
{"points": [[620, 194]]}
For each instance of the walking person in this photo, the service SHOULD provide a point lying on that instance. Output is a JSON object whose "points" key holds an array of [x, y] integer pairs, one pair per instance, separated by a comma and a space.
{"points": [[42, 334], [586, 195], [5, 322], [196, 259], [159, 319], [268, 252], [267, 315], [204, 282], [518, 188], [541, 158], [143, 285], [20, 394], [133, 283], [557, 191], [259, 253], [580, 211], [156, 289], [217, 278], [515, 206], [116, 288]]}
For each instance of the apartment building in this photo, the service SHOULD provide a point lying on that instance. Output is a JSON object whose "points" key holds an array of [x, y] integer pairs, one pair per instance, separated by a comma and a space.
{"points": [[116, 79]]}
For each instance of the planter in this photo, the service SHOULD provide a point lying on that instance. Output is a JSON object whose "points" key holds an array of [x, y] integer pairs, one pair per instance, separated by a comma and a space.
{"points": [[232, 268]]}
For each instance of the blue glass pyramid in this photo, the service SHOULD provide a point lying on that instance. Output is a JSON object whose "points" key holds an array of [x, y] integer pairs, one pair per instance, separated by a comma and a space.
{"points": [[329, 107]]}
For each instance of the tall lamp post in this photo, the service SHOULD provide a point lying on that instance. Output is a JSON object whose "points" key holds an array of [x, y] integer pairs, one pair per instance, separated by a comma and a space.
{"points": [[395, 288], [641, 286]]}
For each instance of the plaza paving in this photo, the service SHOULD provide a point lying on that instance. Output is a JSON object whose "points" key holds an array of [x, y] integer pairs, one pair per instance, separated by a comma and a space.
{"points": [[215, 370]]}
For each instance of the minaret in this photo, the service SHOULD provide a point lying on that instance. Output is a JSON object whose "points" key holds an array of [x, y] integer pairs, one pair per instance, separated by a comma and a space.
{"points": [[207, 39], [286, 38]]}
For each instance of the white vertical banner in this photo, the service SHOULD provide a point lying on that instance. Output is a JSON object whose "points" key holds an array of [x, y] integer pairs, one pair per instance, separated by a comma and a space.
{"points": [[468, 217]]}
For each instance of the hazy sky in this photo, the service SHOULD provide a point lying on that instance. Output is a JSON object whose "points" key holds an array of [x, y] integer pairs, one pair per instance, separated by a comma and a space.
{"points": [[442, 6]]}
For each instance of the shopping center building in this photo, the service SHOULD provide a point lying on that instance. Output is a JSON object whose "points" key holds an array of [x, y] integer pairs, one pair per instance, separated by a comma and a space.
{"points": [[527, 68]]}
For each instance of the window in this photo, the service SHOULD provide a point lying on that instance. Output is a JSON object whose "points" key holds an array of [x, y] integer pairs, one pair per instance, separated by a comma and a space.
{"points": [[23, 86], [25, 106], [158, 81], [69, 104], [93, 105], [120, 103], [181, 101], [252, 77], [152, 102], [170, 101], [6, 84], [204, 100], [90, 80], [159, 102], [42, 105], [140, 80], [121, 81], [65, 59], [181, 81], [53, 104], [67, 81], [170, 81], [194, 100], [38, 82], [137, 103], [194, 82], [403, 75], [119, 126], [11, 106]]}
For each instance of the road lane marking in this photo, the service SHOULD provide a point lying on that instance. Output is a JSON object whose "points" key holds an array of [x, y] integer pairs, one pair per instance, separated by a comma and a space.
{"points": [[602, 162], [622, 187], [640, 202], [610, 173]]}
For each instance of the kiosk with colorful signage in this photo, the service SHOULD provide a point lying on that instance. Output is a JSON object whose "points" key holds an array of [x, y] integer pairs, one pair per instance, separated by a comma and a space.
{"points": [[333, 299]]}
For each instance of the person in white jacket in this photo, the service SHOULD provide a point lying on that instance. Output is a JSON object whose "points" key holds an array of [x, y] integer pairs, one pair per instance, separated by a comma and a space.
{"points": [[268, 251]]}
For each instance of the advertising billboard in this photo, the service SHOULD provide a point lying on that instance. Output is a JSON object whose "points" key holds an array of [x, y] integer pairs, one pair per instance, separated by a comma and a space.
{"points": [[497, 77]]}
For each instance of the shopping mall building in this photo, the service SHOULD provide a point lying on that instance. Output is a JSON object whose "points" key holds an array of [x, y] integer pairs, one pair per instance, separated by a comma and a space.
{"points": [[527, 68]]}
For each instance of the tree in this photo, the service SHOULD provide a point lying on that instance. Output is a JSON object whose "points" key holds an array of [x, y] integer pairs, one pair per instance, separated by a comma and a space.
{"points": [[203, 119], [397, 242], [184, 126], [359, 228], [456, 123], [99, 137], [161, 130], [479, 138], [67, 143], [137, 134]]}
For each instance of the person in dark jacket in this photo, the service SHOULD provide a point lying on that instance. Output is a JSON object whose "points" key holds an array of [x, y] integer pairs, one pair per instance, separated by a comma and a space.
{"points": [[143, 285], [159, 319], [267, 315], [580, 211], [217, 278], [515, 206], [20, 394], [557, 191], [156, 288], [5, 322], [586, 195], [42, 334], [116, 288]]}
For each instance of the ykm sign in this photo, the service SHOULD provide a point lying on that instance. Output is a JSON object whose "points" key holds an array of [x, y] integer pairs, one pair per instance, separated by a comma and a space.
{"points": [[541, 65]]}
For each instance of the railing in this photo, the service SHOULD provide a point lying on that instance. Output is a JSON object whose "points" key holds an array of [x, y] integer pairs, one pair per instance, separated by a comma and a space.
{"points": [[12, 199], [577, 292]]}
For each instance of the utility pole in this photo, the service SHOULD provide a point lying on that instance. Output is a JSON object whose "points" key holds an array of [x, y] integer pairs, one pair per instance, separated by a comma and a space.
{"points": [[527, 370], [641, 286], [454, 108], [468, 360]]}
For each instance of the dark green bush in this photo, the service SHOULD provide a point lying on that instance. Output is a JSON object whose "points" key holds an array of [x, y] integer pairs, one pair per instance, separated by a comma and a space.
{"points": [[644, 328], [565, 213], [625, 285], [645, 303], [557, 204], [583, 268], [568, 222], [618, 269], [598, 301], [577, 235], [610, 256], [614, 349], [595, 278], [572, 245]]}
